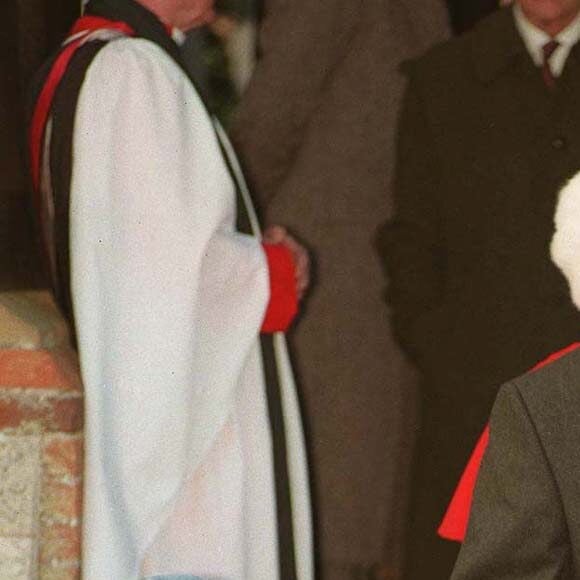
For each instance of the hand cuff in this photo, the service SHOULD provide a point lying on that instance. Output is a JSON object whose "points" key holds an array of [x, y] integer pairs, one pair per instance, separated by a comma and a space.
{"points": [[283, 305]]}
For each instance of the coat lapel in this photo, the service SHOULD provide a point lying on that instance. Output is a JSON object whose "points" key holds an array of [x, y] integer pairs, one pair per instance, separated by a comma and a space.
{"points": [[516, 108]]}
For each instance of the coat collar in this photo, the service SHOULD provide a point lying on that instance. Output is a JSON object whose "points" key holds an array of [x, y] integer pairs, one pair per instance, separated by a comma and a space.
{"points": [[142, 21], [146, 25], [496, 45]]}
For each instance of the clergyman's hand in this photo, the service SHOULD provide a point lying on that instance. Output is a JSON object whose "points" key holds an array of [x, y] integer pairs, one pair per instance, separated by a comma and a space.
{"points": [[279, 235]]}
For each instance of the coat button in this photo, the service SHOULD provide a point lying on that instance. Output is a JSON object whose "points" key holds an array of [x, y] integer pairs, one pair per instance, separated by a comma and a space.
{"points": [[559, 143]]}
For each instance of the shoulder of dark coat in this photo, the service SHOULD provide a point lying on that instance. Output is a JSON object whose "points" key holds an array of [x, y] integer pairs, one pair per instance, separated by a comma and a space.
{"points": [[551, 394], [442, 54], [460, 57]]}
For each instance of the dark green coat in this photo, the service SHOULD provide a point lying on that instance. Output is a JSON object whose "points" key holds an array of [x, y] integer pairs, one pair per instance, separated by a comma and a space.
{"points": [[525, 519], [483, 149]]}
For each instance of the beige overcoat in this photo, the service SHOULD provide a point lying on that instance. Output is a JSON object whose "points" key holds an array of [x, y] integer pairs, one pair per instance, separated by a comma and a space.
{"points": [[316, 133]]}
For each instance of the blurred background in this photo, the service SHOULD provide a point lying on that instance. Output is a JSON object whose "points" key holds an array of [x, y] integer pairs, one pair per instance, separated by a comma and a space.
{"points": [[221, 58]]}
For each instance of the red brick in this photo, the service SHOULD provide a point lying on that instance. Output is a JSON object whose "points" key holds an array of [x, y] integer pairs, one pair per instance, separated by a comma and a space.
{"points": [[61, 503], [11, 414], [61, 543], [66, 415], [53, 413], [61, 507], [63, 456], [38, 369], [60, 571]]}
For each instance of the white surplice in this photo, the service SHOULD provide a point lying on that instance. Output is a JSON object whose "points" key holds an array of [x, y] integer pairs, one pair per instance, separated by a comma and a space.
{"points": [[168, 300]]}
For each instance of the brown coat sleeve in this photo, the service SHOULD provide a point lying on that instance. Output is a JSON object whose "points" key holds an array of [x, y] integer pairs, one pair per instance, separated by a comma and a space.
{"points": [[428, 19], [287, 86], [517, 529]]}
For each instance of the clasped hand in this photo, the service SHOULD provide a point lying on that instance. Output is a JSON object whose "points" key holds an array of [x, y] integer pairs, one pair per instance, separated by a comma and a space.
{"points": [[279, 235]]}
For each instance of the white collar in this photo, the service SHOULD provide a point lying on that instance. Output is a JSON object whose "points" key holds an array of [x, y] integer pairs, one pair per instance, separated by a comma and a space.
{"points": [[534, 39], [178, 36]]}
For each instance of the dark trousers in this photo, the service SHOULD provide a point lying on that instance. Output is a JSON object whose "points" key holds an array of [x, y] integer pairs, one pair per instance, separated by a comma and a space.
{"points": [[450, 427]]}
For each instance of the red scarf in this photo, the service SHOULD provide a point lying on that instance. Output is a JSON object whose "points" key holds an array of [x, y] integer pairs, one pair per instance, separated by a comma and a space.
{"points": [[81, 30]]}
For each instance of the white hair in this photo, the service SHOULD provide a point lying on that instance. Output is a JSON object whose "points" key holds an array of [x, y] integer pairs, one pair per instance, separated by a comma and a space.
{"points": [[565, 246]]}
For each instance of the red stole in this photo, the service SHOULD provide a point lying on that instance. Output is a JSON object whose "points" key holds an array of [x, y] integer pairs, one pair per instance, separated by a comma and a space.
{"points": [[78, 35]]}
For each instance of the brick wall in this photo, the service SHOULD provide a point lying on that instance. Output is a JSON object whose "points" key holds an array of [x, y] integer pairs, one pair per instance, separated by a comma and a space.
{"points": [[40, 442]]}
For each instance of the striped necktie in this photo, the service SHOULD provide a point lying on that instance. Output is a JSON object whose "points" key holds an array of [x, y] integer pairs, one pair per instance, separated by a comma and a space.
{"points": [[548, 50]]}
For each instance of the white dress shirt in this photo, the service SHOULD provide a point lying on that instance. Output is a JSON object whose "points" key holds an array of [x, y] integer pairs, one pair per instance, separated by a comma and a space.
{"points": [[535, 39]]}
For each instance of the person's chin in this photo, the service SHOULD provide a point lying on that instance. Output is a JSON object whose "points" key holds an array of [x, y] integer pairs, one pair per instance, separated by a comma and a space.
{"points": [[546, 10]]}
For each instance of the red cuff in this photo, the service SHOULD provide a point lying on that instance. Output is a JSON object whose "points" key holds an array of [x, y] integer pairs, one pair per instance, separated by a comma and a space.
{"points": [[283, 305]]}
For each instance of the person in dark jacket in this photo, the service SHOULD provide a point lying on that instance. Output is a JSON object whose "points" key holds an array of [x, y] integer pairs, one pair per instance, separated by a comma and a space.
{"points": [[524, 518], [488, 133], [525, 514]]}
